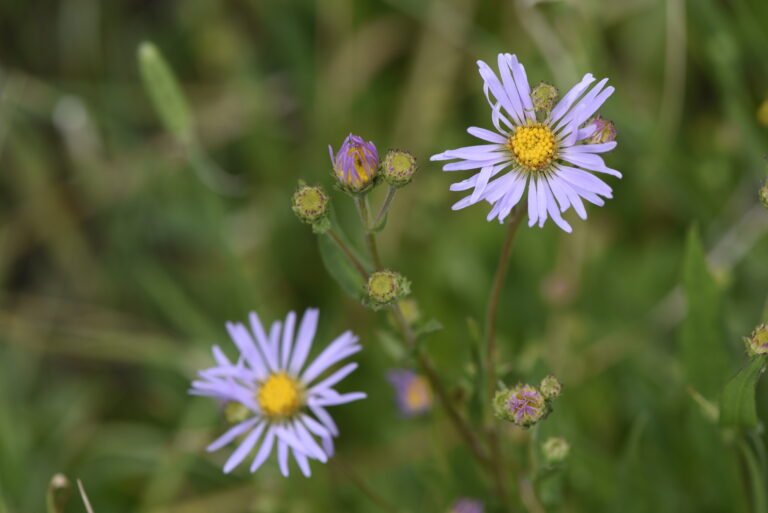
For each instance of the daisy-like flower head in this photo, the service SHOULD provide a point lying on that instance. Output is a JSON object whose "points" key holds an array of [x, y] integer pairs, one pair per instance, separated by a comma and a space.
{"points": [[550, 155], [412, 392], [356, 163], [276, 398]]}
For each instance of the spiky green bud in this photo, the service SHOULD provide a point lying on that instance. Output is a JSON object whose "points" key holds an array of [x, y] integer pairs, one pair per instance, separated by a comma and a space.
{"points": [[550, 387], [757, 343], [555, 449], [386, 287], [398, 168], [310, 204]]}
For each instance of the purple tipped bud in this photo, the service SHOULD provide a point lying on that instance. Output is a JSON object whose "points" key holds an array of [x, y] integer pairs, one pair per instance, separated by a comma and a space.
{"points": [[757, 343], [355, 164], [524, 405], [605, 131]]}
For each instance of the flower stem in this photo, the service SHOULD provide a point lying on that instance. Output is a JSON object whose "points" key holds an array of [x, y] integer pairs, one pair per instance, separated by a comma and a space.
{"points": [[363, 487], [348, 253], [370, 236], [490, 356], [384, 207], [461, 425], [437, 385]]}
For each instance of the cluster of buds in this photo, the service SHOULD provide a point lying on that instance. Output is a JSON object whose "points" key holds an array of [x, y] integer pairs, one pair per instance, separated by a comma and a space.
{"points": [[385, 288], [757, 343], [525, 405], [555, 449], [310, 204]]}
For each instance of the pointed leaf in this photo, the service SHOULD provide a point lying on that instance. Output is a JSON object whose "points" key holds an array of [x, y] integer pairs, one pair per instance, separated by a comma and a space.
{"points": [[737, 403]]}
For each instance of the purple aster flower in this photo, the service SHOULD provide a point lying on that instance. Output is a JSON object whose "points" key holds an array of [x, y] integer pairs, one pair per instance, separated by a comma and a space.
{"points": [[466, 505], [549, 155], [283, 400], [355, 164], [412, 392]]}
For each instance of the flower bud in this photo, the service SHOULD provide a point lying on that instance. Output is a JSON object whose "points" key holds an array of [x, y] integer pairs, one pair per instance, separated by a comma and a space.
{"points": [[764, 194], [310, 204], [757, 343], [235, 412], [524, 405], [412, 392], [550, 387], [555, 449], [544, 97], [355, 164], [398, 168], [605, 131], [386, 287]]}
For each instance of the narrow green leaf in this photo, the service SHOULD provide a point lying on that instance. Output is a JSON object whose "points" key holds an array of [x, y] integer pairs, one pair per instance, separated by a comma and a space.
{"points": [[737, 403], [704, 353], [165, 93], [430, 326], [340, 268], [757, 478]]}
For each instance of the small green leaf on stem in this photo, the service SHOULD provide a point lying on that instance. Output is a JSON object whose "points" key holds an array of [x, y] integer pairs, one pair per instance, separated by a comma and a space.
{"points": [[737, 402]]}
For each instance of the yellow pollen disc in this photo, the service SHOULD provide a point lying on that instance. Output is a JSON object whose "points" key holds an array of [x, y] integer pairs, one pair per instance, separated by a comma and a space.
{"points": [[533, 146], [279, 396], [359, 160]]}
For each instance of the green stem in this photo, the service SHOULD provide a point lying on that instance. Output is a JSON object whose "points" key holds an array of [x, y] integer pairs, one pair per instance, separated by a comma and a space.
{"points": [[463, 429], [491, 353], [363, 487], [348, 253], [384, 207], [756, 478], [370, 237]]}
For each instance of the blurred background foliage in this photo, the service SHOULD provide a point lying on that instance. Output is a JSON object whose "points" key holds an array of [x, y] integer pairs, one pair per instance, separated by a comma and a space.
{"points": [[120, 263]]}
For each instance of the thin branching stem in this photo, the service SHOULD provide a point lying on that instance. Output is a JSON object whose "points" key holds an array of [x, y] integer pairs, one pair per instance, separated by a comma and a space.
{"points": [[358, 265], [384, 207], [491, 353]]}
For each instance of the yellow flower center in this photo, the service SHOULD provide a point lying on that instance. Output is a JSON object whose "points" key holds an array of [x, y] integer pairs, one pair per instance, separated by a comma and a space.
{"points": [[533, 146], [280, 396]]}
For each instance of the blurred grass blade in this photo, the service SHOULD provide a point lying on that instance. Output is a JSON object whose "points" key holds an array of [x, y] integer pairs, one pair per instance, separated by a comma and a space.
{"points": [[58, 492], [86, 502], [704, 354], [737, 403], [165, 93]]}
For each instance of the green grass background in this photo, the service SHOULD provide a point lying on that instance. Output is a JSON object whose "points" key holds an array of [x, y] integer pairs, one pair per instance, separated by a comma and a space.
{"points": [[119, 266]]}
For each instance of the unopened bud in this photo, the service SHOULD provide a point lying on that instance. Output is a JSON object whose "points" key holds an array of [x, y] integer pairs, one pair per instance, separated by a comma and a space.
{"points": [[385, 287], [310, 204], [764, 194], [555, 449], [398, 168], [550, 387], [757, 343], [544, 97], [605, 131], [235, 412], [355, 164], [524, 405]]}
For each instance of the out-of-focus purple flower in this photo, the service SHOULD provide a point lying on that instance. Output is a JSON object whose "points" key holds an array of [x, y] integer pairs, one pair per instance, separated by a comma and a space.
{"points": [[355, 164], [412, 392], [270, 391], [548, 153], [465, 505]]}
